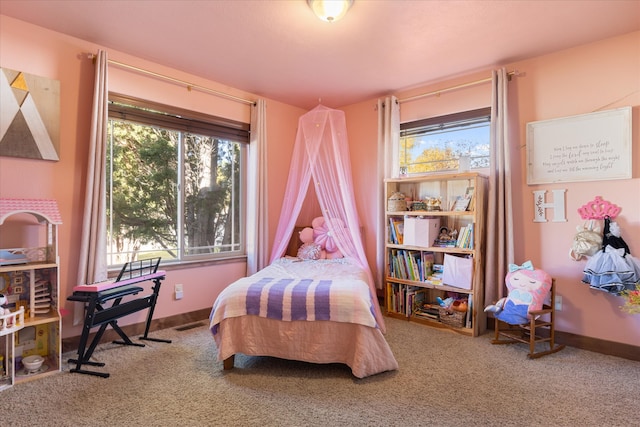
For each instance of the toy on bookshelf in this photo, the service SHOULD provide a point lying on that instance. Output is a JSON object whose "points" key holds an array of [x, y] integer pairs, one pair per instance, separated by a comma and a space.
{"points": [[434, 203], [446, 238], [418, 206]]}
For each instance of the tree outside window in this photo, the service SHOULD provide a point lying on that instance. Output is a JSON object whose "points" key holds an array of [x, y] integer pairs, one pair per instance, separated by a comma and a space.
{"points": [[172, 193], [438, 144]]}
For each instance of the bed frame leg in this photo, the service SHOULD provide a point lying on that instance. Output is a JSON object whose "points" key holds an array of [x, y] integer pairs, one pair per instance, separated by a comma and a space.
{"points": [[228, 362]]}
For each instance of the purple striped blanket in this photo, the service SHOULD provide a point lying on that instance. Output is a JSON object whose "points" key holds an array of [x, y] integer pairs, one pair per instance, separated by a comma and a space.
{"points": [[290, 299]]}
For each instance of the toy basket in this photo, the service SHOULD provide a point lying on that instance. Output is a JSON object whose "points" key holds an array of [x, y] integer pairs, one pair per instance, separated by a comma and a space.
{"points": [[396, 203], [452, 318]]}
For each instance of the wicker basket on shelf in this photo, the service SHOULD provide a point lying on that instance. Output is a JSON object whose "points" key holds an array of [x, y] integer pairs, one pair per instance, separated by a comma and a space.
{"points": [[452, 317], [396, 203]]}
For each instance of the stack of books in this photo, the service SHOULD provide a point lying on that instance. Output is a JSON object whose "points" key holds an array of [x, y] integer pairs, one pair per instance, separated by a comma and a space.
{"points": [[465, 237]]}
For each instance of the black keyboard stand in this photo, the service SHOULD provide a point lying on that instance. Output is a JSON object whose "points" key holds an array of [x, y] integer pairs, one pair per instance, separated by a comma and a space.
{"points": [[152, 306], [98, 315]]}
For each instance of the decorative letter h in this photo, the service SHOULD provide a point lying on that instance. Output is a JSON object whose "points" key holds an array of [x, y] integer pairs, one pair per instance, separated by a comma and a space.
{"points": [[540, 205]]}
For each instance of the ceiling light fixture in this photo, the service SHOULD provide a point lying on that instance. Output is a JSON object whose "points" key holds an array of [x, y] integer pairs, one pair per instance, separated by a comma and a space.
{"points": [[330, 10]]}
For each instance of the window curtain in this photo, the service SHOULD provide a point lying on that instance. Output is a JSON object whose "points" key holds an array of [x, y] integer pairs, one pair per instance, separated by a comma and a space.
{"points": [[92, 265], [499, 225], [388, 167], [257, 194]]}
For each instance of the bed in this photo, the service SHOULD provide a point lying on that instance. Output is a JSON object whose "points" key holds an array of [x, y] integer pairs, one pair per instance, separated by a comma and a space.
{"points": [[319, 306], [317, 311]]}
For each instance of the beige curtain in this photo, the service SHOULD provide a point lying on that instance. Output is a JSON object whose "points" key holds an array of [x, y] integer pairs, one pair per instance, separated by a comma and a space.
{"points": [[257, 191], [499, 210], [388, 167], [92, 265]]}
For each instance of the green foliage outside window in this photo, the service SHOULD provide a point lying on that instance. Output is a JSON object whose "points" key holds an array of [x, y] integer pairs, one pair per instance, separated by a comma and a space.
{"points": [[170, 193]]}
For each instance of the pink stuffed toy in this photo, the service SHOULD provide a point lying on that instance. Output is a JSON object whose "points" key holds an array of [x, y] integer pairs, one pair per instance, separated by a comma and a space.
{"points": [[528, 288], [310, 249], [324, 237], [318, 241]]}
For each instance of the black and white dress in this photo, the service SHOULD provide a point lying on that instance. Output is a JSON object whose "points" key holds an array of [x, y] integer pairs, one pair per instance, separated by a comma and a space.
{"points": [[612, 269]]}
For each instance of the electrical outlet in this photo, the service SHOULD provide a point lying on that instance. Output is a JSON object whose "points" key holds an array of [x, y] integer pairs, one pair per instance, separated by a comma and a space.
{"points": [[178, 291], [558, 303]]}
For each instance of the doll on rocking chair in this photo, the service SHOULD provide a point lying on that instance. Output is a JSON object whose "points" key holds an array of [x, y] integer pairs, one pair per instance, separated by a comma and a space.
{"points": [[528, 289]]}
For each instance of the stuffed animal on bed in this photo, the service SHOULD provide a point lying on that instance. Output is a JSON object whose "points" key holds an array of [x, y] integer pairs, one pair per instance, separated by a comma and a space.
{"points": [[324, 237], [318, 242], [528, 289], [310, 249]]}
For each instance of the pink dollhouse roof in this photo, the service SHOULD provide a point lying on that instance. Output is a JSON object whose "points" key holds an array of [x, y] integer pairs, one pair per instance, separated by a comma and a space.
{"points": [[44, 210]]}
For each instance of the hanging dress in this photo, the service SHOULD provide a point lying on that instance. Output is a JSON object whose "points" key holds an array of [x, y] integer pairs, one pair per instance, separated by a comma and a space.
{"points": [[612, 269]]}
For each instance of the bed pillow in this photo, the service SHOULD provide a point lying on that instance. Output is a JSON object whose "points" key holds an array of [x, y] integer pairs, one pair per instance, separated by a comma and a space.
{"points": [[310, 251]]}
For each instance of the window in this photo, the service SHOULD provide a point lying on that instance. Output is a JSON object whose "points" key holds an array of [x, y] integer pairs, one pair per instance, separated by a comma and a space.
{"points": [[437, 144], [175, 183]]}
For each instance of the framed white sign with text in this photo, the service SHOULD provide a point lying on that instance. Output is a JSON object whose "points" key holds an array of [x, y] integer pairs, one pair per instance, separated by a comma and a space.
{"points": [[586, 147]]}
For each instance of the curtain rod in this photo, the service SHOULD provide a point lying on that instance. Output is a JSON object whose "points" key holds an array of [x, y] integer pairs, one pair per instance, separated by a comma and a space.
{"points": [[188, 85], [460, 86]]}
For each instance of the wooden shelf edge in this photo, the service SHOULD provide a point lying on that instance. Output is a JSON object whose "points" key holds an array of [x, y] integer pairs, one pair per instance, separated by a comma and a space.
{"points": [[23, 379], [40, 319], [431, 323], [430, 213], [30, 266], [445, 249], [444, 288]]}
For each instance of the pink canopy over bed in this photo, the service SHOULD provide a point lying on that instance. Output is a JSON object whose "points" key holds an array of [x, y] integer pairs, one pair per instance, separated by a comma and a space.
{"points": [[321, 153]]}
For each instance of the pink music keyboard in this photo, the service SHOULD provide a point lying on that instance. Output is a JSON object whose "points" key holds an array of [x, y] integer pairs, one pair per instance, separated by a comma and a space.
{"points": [[103, 286]]}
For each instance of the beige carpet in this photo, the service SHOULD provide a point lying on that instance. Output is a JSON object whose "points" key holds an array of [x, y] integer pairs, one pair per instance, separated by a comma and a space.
{"points": [[444, 380]]}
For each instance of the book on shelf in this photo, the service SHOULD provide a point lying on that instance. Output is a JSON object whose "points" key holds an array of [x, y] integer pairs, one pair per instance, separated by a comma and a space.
{"points": [[428, 259], [397, 267], [396, 230], [427, 310], [441, 243], [393, 238], [426, 314], [410, 264], [436, 276], [416, 263], [462, 202], [460, 240], [395, 297], [435, 279], [415, 298], [465, 237], [470, 193], [437, 269]]}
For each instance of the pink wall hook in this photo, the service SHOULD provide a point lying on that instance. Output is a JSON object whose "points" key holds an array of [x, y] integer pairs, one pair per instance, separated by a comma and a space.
{"points": [[598, 209]]}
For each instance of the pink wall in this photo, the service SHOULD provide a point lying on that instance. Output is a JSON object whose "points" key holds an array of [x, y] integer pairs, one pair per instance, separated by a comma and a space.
{"points": [[45, 53], [598, 76]]}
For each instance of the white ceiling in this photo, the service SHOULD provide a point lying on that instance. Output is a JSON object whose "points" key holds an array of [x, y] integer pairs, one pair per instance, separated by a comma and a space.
{"points": [[278, 49]]}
